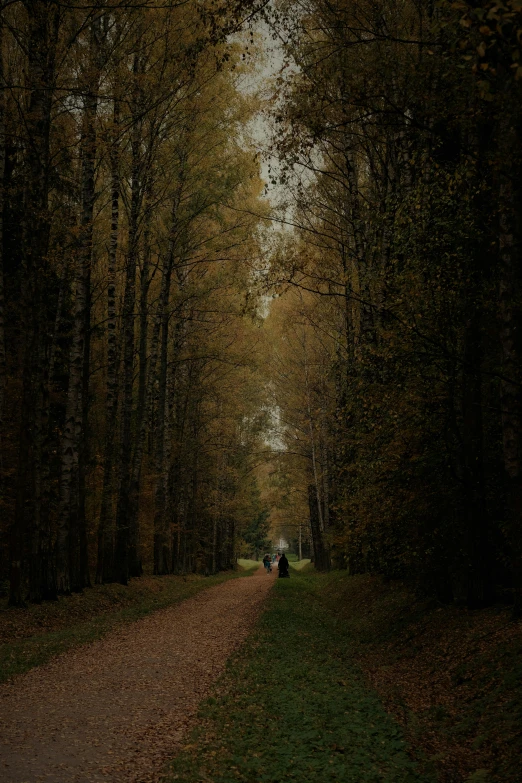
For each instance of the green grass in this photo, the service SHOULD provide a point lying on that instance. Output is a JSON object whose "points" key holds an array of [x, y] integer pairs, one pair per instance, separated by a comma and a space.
{"points": [[249, 565], [300, 564], [140, 598], [452, 676], [293, 707]]}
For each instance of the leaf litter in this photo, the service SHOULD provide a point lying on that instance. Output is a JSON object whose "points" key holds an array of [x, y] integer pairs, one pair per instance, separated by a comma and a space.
{"points": [[119, 708]]}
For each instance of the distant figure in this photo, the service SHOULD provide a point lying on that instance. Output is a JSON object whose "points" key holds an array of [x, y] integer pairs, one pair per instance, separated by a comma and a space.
{"points": [[283, 567], [267, 564]]}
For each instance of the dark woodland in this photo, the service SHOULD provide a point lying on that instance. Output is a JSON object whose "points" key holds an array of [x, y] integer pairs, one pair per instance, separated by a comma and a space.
{"points": [[140, 364]]}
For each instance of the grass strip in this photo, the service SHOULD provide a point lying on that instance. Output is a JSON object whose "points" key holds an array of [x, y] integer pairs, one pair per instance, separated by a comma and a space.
{"points": [[300, 564], [293, 707], [249, 564], [453, 677], [20, 655]]}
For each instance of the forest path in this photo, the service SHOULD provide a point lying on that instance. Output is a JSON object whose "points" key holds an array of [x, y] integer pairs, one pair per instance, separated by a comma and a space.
{"points": [[117, 709]]}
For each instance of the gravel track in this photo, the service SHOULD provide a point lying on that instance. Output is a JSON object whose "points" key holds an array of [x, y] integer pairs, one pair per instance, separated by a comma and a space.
{"points": [[116, 710]]}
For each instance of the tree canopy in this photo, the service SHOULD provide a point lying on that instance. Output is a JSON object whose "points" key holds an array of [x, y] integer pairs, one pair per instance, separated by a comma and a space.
{"points": [[194, 360]]}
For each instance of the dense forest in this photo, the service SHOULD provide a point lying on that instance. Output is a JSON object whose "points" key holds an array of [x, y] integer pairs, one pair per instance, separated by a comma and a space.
{"points": [[183, 353], [397, 331], [128, 403]]}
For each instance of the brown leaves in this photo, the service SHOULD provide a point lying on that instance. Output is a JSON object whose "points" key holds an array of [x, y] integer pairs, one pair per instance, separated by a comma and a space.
{"points": [[433, 667], [117, 709]]}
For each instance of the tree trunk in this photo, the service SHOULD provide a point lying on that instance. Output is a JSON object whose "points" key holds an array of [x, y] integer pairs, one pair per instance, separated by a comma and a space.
{"points": [[71, 545], [123, 540], [216, 515], [40, 533], [322, 560], [480, 588], [147, 374], [161, 555], [84, 576], [162, 559], [510, 288], [3, 364], [320, 557], [41, 45], [326, 479], [105, 560]]}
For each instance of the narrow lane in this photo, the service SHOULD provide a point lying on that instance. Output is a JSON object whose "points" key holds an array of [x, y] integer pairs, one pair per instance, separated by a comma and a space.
{"points": [[117, 709]]}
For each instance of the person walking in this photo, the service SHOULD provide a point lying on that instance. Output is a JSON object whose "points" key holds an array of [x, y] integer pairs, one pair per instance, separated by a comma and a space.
{"points": [[267, 564], [283, 566]]}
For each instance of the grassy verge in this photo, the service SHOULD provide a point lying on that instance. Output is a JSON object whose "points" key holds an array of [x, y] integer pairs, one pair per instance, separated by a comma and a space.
{"points": [[30, 637], [299, 564], [292, 706], [249, 565], [453, 678]]}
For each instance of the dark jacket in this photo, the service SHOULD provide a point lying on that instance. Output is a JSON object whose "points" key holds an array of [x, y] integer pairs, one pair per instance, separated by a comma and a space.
{"points": [[283, 565]]}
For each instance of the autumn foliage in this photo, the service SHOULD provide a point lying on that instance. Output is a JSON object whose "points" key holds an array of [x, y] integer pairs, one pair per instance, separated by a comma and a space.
{"points": [[398, 136], [128, 406]]}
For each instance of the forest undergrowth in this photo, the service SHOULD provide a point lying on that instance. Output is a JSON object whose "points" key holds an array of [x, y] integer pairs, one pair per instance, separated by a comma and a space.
{"points": [[452, 677], [32, 636], [293, 706], [304, 700]]}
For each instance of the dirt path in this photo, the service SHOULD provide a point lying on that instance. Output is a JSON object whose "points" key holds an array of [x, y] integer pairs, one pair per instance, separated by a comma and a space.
{"points": [[116, 710]]}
